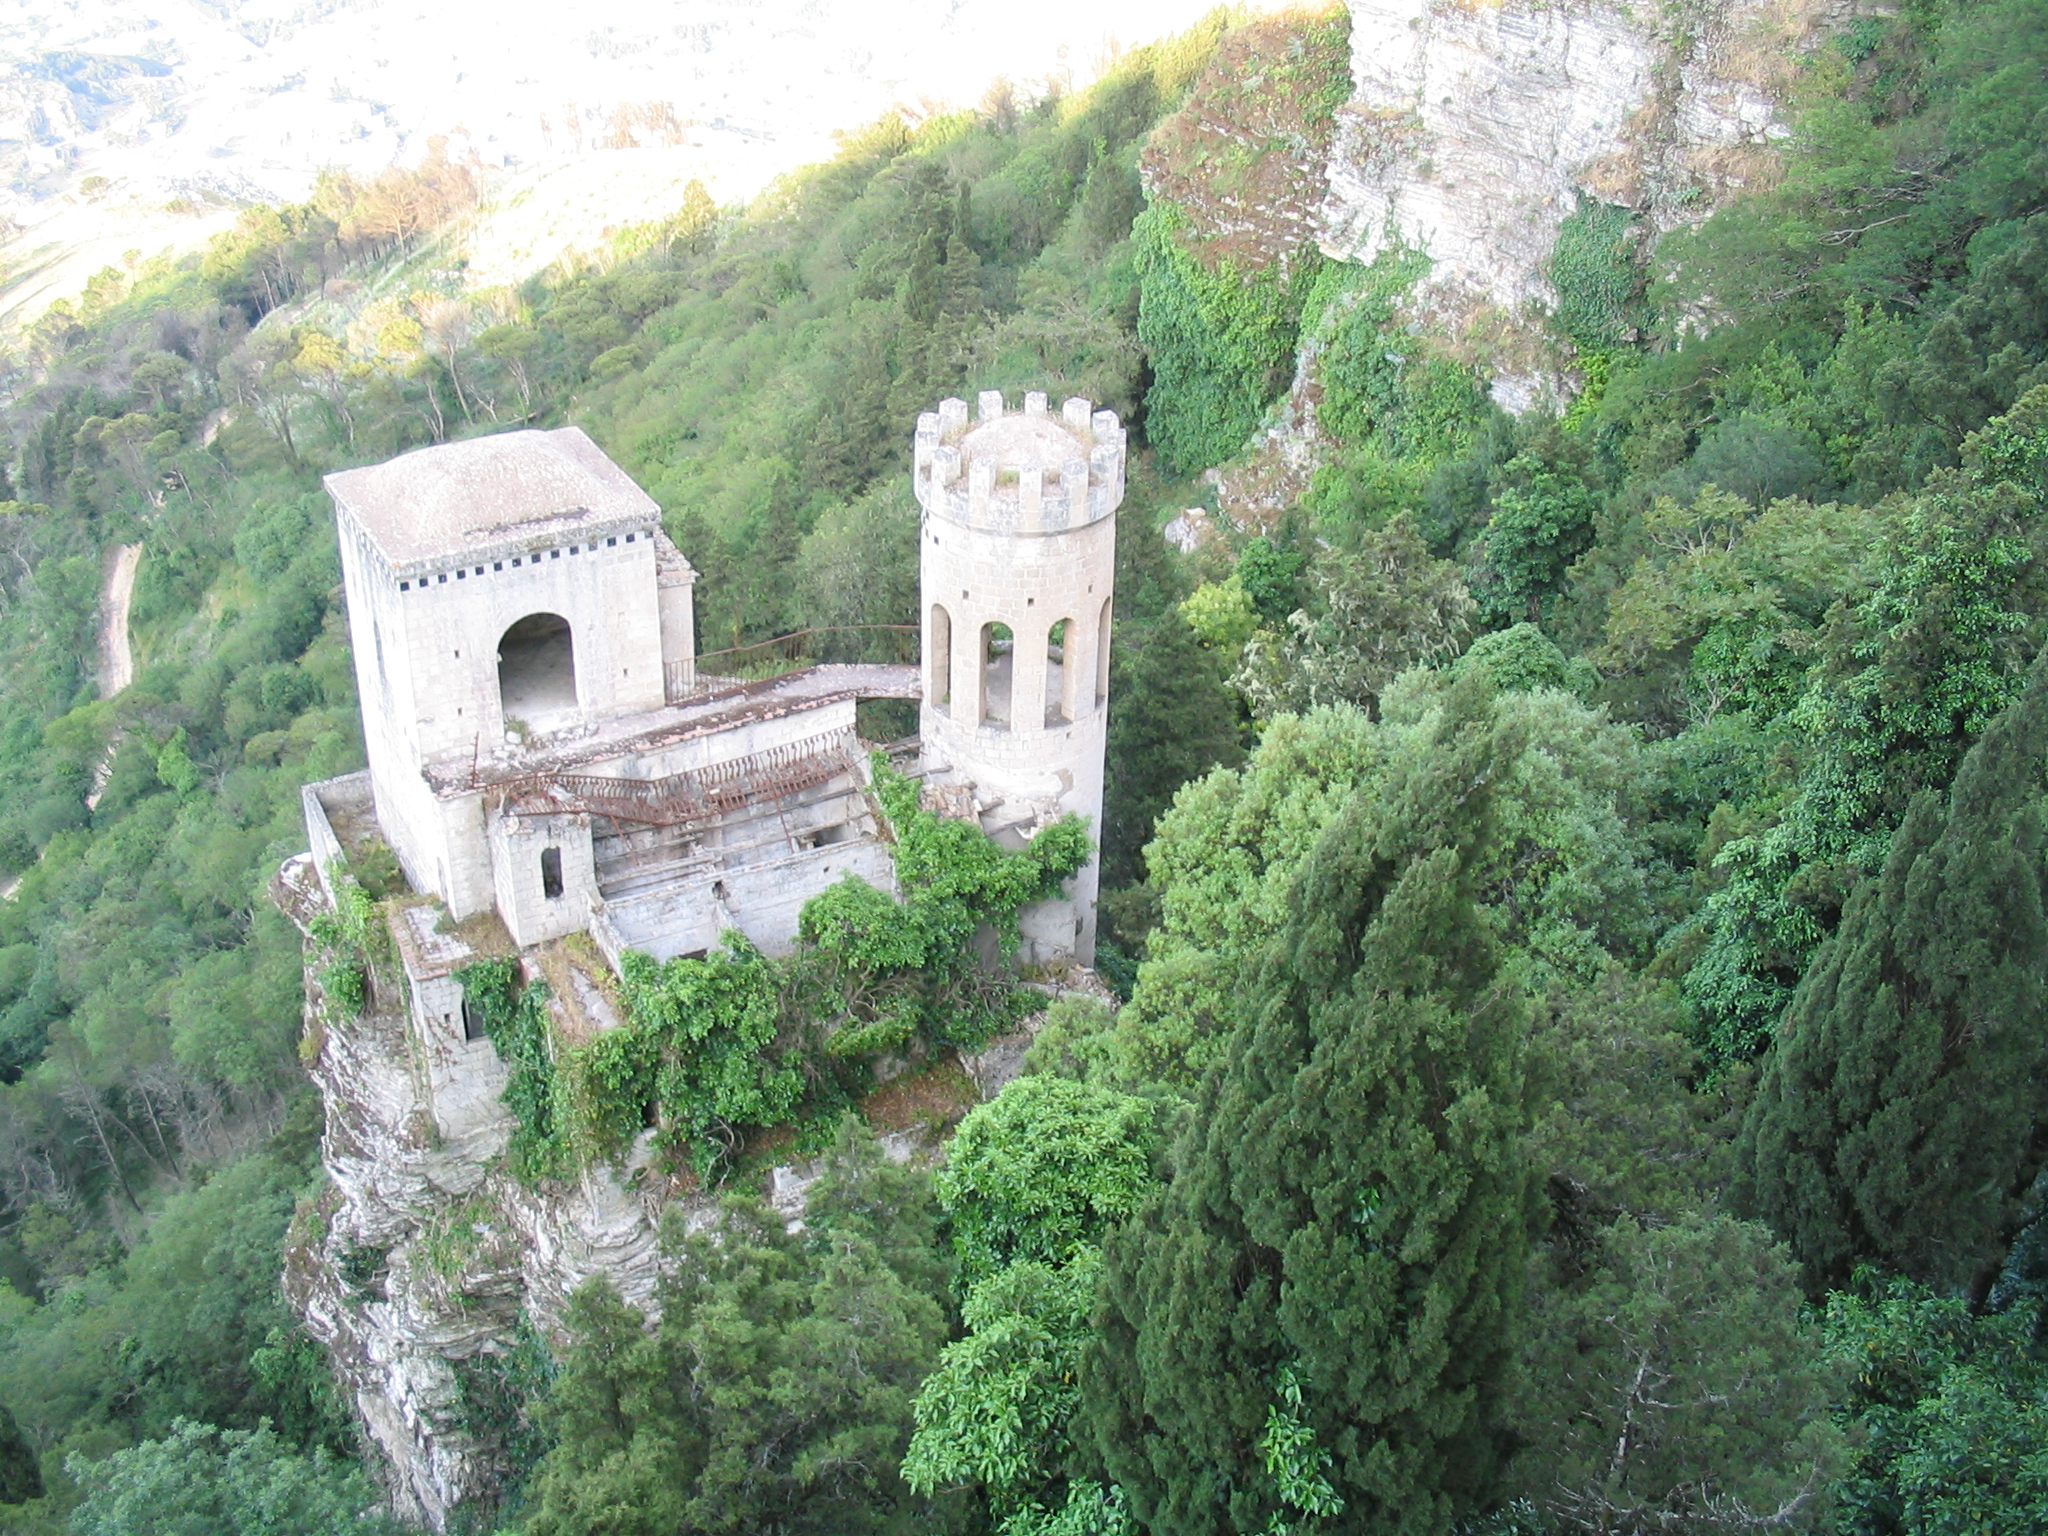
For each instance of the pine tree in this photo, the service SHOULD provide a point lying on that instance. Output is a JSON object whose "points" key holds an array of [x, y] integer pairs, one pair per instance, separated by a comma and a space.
{"points": [[1313, 1320], [1901, 1117]]}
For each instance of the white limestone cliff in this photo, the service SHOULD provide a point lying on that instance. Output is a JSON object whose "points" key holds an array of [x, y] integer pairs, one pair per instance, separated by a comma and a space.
{"points": [[422, 1254], [1474, 129]]}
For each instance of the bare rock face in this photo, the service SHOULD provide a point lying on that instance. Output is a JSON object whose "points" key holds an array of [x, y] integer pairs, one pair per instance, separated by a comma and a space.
{"points": [[423, 1257], [1474, 130]]}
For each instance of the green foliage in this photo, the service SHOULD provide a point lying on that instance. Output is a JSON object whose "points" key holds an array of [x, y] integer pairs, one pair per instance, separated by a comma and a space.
{"points": [[1542, 521], [1379, 610], [1221, 339], [1678, 1383], [1899, 690], [701, 1046], [349, 934], [1896, 1120], [1949, 1404], [1618, 1131], [1043, 1169], [1599, 286], [1567, 882], [1308, 1222], [1172, 717], [1523, 659], [733, 1041], [1299, 1468], [199, 1480], [1270, 578], [1221, 615], [996, 1411], [775, 1391], [514, 1014]]}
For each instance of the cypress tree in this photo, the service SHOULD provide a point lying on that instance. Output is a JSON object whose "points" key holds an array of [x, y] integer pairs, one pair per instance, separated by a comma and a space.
{"points": [[1312, 1320], [1900, 1119]]}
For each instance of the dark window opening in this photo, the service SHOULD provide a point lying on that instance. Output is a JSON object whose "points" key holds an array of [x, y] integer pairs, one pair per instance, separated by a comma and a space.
{"points": [[472, 1021], [551, 873]]}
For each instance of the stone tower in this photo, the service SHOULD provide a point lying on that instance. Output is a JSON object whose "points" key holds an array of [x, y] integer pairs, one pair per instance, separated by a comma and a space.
{"points": [[1018, 561]]}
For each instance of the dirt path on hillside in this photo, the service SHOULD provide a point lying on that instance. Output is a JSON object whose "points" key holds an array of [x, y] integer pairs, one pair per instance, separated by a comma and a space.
{"points": [[117, 662]]}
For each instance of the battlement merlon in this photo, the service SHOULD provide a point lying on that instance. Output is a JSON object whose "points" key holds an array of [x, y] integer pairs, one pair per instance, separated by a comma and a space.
{"points": [[1025, 472]]}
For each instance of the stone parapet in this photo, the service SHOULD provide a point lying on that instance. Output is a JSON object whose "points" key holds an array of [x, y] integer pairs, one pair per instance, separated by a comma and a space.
{"points": [[1027, 472]]}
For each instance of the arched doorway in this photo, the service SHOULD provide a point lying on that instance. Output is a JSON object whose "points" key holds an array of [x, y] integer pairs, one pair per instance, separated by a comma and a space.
{"points": [[537, 670]]}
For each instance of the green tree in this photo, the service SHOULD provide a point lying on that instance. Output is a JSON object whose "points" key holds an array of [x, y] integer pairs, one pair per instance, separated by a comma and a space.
{"points": [[775, 1392], [1349, 1203], [1897, 1120], [1171, 718], [1043, 1168], [1542, 521], [1677, 1385], [997, 1411], [201, 1481], [1952, 1409], [1387, 606]]}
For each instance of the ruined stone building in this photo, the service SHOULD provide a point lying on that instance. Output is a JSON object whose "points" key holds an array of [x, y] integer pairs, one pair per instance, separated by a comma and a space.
{"points": [[548, 759]]}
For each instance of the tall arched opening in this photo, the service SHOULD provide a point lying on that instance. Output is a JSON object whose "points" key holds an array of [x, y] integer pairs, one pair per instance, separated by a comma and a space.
{"points": [[1102, 656], [998, 666], [1062, 656], [537, 670], [938, 657]]}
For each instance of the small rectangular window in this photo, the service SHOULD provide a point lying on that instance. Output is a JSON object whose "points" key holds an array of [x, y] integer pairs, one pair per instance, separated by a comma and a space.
{"points": [[612, 542], [515, 561], [554, 554], [462, 575], [472, 1021], [405, 586], [551, 873], [444, 578], [497, 565], [630, 537]]}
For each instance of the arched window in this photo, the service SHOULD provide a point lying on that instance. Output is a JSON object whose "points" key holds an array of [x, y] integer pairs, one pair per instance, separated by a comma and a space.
{"points": [[1062, 655], [938, 656], [998, 665], [1102, 658], [537, 670]]}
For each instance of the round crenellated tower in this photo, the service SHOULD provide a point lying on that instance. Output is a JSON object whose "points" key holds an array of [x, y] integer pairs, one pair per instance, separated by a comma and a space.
{"points": [[1018, 562]]}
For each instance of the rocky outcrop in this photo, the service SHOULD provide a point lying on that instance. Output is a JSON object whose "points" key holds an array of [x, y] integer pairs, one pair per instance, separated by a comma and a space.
{"points": [[420, 1259], [1474, 130]]}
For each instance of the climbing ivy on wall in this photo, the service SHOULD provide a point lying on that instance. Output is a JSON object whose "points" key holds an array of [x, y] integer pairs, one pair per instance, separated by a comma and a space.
{"points": [[515, 1018], [1221, 340], [1380, 382], [1600, 303], [736, 1040], [349, 936]]}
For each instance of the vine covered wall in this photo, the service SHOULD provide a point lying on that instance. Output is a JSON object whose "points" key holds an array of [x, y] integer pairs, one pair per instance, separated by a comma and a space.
{"points": [[738, 1041]]}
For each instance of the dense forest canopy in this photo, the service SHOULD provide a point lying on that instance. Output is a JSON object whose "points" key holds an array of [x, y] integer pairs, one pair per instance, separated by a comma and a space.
{"points": [[1574, 879]]}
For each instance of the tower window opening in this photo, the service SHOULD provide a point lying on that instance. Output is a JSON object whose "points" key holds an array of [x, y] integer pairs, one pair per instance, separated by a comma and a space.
{"points": [[998, 669], [551, 873], [1061, 658], [472, 1021], [939, 656], [1102, 657]]}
